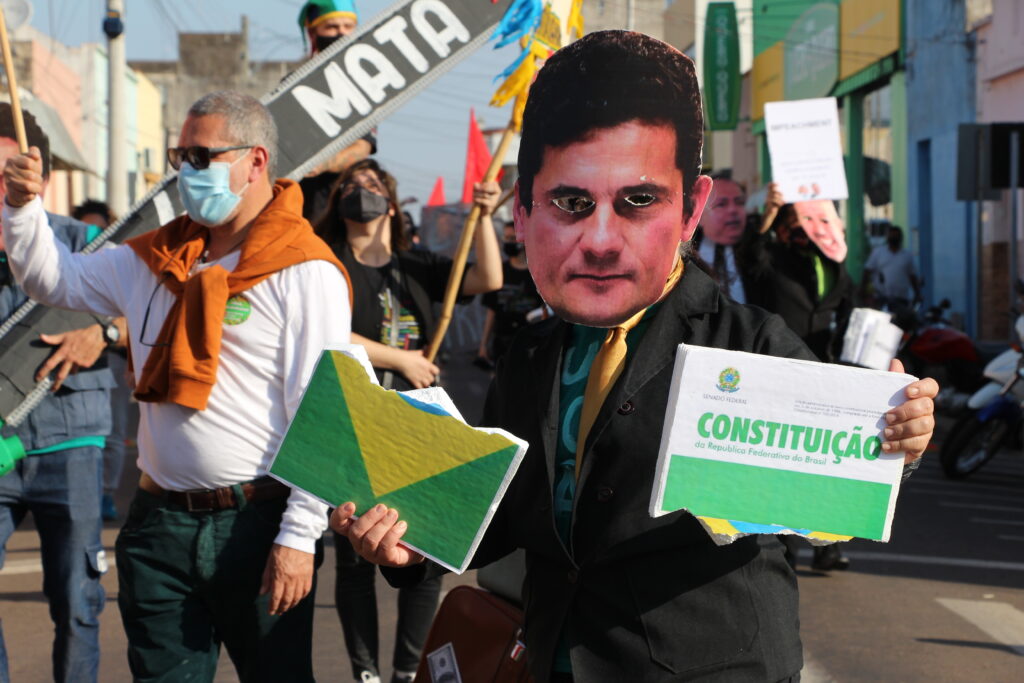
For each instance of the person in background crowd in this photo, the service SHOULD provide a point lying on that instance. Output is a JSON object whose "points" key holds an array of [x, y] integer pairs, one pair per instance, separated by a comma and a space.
{"points": [[323, 22], [609, 193], [98, 216], [511, 307], [394, 291], [813, 293], [800, 281], [60, 482], [724, 241], [227, 320], [891, 272]]}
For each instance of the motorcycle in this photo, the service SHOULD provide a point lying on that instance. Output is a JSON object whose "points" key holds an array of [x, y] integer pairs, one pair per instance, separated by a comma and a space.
{"points": [[933, 343], [994, 417]]}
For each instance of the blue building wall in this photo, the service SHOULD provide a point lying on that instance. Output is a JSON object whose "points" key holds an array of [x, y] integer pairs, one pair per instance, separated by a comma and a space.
{"points": [[940, 76]]}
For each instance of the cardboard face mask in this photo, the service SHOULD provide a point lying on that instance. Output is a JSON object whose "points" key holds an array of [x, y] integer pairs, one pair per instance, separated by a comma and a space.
{"points": [[823, 226], [603, 231], [611, 129]]}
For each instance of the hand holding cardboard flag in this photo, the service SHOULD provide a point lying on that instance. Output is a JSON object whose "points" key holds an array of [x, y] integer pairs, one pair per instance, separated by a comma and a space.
{"points": [[351, 440]]}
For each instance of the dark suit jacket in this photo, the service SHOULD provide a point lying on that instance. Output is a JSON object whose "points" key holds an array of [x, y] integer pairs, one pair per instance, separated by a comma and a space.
{"points": [[787, 285], [643, 599], [749, 252]]}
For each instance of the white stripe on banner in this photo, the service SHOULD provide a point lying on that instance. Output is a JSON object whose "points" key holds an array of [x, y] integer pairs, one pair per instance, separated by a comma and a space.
{"points": [[164, 208]]}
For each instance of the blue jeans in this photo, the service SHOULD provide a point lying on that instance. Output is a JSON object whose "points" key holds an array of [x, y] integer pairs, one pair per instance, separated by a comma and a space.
{"points": [[62, 491]]}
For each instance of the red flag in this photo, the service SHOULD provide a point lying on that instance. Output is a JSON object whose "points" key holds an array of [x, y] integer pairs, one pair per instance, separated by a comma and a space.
{"points": [[437, 194], [478, 158]]}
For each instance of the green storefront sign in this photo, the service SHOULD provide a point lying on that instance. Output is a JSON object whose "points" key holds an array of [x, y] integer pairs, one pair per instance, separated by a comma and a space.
{"points": [[721, 66], [811, 53]]}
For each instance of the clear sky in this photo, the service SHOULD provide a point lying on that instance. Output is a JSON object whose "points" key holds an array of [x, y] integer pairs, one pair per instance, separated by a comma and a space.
{"points": [[423, 140]]}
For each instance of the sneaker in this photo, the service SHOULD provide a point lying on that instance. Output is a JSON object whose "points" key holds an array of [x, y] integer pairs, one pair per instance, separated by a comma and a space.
{"points": [[403, 677], [108, 511], [368, 677]]}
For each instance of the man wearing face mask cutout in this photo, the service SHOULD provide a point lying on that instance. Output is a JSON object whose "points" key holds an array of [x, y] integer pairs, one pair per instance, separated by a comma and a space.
{"points": [[609, 194], [724, 242], [323, 22], [226, 321]]}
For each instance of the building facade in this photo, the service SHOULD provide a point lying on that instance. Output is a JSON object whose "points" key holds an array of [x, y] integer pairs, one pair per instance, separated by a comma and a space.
{"points": [[999, 29], [940, 75], [208, 62]]}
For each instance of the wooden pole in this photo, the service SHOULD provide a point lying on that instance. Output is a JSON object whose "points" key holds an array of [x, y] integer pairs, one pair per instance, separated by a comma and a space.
{"points": [[504, 200], [12, 86], [462, 252]]}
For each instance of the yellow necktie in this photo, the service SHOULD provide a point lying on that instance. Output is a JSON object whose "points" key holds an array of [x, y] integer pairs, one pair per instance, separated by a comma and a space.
{"points": [[608, 365]]}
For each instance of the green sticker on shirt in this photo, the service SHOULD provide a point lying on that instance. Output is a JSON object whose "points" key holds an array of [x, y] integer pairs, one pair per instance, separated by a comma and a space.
{"points": [[238, 310]]}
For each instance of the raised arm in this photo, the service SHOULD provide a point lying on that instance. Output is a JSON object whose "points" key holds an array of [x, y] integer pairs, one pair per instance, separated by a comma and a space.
{"points": [[42, 264], [485, 274]]}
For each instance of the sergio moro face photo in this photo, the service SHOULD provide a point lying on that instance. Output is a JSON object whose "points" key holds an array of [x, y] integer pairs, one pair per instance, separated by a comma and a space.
{"points": [[609, 182]]}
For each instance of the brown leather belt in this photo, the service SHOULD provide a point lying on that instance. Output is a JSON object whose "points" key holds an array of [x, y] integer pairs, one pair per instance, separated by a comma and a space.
{"points": [[212, 500]]}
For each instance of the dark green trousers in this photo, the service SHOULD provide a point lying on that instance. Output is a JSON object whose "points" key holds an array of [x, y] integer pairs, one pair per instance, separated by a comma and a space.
{"points": [[189, 581]]}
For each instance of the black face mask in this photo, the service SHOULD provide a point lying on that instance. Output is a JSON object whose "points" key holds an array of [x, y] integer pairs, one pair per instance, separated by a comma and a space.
{"points": [[324, 42], [512, 248], [362, 206]]}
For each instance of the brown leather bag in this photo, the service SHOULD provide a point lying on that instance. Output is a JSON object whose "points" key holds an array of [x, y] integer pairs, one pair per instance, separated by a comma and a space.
{"points": [[476, 637]]}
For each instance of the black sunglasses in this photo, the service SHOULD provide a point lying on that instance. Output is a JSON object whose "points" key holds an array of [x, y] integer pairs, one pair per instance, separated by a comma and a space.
{"points": [[198, 157]]}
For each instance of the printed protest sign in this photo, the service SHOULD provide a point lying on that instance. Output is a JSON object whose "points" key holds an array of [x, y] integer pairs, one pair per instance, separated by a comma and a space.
{"points": [[871, 340], [805, 149], [351, 440], [757, 444]]}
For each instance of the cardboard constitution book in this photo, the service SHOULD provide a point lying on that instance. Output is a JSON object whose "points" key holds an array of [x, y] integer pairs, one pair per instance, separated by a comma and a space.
{"points": [[757, 444], [351, 440]]}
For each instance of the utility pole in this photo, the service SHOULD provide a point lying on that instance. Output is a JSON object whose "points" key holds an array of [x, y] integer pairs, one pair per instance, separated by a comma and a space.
{"points": [[117, 125], [630, 15]]}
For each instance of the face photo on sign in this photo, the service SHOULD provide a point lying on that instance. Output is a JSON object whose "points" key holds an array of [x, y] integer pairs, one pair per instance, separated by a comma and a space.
{"points": [[609, 175], [823, 226]]}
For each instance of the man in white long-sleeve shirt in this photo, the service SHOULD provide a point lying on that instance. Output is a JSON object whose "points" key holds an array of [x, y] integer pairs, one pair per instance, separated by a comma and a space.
{"points": [[228, 309]]}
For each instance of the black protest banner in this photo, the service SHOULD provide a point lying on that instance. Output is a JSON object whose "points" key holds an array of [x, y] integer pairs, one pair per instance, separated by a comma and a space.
{"points": [[324, 106]]}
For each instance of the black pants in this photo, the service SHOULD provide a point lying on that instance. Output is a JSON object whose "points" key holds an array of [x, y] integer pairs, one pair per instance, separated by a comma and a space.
{"points": [[355, 596], [189, 582]]}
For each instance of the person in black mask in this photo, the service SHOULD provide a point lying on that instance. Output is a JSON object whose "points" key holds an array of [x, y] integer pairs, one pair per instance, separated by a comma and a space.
{"points": [[511, 307], [323, 22], [393, 289], [804, 279]]}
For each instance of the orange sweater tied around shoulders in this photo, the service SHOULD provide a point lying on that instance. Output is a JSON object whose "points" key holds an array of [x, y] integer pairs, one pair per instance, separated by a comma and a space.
{"points": [[182, 364]]}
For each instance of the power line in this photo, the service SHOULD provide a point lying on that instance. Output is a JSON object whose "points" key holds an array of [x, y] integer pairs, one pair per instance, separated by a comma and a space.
{"points": [[166, 15]]}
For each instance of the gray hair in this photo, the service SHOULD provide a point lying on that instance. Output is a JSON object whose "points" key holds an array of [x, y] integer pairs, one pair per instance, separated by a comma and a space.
{"points": [[247, 122]]}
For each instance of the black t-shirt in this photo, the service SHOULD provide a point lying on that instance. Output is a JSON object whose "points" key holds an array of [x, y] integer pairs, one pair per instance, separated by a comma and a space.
{"points": [[516, 298], [411, 283]]}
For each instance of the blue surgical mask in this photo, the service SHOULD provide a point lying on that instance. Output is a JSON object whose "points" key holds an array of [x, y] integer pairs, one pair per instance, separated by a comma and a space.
{"points": [[207, 194]]}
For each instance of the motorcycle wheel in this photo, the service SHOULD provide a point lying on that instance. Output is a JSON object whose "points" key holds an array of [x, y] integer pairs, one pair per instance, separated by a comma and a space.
{"points": [[972, 443]]}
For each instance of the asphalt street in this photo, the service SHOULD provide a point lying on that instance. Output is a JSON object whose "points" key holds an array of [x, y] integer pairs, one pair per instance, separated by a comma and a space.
{"points": [[943, 601]]}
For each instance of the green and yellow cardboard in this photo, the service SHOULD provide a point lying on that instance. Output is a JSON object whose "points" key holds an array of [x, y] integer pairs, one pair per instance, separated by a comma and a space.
{"points": [[758, 444], [351, 440]]}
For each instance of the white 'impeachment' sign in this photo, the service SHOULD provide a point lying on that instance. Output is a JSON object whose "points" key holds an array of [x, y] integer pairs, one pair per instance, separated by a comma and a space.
{"points": [[805, 148]]}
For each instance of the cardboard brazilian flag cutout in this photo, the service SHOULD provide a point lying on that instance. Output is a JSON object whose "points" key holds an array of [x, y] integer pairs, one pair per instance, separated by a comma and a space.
{"points": [[351, 440]]}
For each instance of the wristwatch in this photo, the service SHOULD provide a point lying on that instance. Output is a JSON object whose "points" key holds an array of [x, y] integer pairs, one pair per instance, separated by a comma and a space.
{"points": [[111, 335]]}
